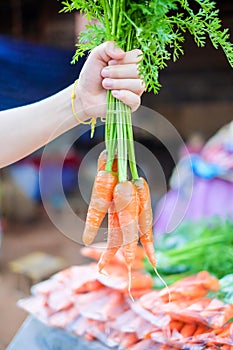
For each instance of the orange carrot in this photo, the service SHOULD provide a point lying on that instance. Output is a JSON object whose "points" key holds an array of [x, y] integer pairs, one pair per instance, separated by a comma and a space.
{"points": [[226, 347], [114, 232], [140, 280], [138, 293], [224, 331], [91, 252], [96, 252], [145, 219], [188, 329], [88, 287], [102, 160], [126, 203], [145, 224], [114, 241], [101, 198], [176, 325], [201, 328]]}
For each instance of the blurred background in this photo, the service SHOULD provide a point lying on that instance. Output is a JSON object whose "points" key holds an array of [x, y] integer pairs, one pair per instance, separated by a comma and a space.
{"points": [[36, 46]]}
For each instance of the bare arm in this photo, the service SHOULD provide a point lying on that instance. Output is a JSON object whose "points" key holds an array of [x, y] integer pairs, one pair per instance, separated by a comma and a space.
{"points": [[25, 129]]}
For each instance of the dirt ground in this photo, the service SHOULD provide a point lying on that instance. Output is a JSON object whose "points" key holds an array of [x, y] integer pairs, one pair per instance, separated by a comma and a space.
{"points": [[20, 240]]}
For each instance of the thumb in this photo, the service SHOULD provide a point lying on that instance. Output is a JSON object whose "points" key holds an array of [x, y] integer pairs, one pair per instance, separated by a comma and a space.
{"points": [[108, 51]]}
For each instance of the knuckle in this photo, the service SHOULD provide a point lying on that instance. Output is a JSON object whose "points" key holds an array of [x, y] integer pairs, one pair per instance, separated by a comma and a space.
{"points": [[136, 104], [123, 95]]}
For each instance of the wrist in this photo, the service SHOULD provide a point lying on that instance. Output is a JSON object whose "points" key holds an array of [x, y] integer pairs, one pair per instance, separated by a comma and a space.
{"points": [[79, 104]]}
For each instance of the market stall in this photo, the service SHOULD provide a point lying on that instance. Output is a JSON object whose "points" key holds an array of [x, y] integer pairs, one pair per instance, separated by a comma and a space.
{"points": [[80, 307]]}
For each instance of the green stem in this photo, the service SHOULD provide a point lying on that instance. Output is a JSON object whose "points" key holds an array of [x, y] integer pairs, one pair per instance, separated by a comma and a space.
{"points": [[112, 141], [129, 41], [125, 143], [121, 143], [130, 140], [110, 131], [114, 18], [107, 16], [120, 17], [107, 121], [200, 244]]}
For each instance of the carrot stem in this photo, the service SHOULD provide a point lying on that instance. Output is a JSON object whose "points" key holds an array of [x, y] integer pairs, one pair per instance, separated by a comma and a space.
{"points": [[130, 140], [107, 16], [120, 17], [121, 142], [114, 18], [110, 131]]}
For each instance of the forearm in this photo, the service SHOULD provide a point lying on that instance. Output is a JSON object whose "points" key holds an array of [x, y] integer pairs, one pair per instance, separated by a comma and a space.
{"points": [[25, 129]]}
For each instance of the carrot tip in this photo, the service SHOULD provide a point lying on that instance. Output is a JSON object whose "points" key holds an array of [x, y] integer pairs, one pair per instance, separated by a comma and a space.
{"points": [[130, 283], [102, 271]]}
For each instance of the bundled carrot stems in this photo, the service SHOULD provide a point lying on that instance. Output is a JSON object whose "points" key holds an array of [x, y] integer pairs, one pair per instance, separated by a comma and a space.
{"points": [[158, 28]]}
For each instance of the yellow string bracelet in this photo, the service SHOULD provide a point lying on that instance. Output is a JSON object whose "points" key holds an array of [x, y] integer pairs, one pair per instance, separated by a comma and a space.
{"points": [[92, 122]]}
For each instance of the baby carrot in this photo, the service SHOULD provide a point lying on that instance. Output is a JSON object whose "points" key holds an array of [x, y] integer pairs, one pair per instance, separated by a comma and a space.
{"points": [[201, 328], [145, 219], [188, 329], [101, 198], [102, 160], [114, 241], [126, 203], [145, 223], [176, 325]]}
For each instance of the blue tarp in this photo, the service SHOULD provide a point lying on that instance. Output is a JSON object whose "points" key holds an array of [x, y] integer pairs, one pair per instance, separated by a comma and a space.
{"points": [[30, 72]]}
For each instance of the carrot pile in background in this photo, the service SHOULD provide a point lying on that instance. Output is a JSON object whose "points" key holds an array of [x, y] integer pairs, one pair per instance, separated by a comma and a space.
{"points": [[97, 306]]}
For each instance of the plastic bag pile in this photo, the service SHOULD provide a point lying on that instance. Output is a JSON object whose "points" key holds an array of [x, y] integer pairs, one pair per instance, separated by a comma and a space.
{"points": [[97, 306]]}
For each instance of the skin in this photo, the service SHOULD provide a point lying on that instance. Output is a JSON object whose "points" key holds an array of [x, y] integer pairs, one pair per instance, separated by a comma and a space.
{"points": [[25, 129]]}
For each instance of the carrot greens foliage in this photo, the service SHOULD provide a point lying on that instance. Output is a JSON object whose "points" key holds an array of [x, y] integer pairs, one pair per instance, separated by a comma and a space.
{"points": [[158, 28]]}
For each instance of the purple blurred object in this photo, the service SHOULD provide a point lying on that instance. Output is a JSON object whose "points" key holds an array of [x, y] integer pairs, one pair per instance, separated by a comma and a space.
{"points": [[211, 193], [213, 197]]}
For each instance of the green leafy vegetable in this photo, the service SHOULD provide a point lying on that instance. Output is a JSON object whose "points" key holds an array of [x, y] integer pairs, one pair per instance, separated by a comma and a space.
{"points": [[157, 27], [194, 247]]}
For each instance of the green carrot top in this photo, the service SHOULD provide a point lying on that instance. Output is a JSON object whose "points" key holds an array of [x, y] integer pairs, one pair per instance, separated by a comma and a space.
{"points": [[157, 27]]}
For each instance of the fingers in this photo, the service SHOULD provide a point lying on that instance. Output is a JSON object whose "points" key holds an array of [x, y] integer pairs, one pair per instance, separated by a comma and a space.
{"points": [[135, 85], [128, 97], [133, 56], [120, 71], [111, 54], [107, 51], [122, 77]]}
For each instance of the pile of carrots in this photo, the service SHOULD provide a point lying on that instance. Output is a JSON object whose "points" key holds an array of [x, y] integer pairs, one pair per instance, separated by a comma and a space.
{"points": [[97, 307], [128, 205]]}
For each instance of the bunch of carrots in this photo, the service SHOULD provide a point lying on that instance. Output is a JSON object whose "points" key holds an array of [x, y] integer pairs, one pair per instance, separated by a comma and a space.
{"points": [[157, 28], [128, 205]]}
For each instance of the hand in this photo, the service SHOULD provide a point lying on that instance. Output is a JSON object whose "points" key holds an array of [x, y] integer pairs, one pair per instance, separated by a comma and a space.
{"points": [[108, 67]]}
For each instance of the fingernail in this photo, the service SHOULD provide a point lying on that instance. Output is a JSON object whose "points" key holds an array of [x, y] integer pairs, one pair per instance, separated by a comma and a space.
{"points": [[112, 62], [105, 72], [138, 51], [108, 83], [115, 93], [117, 50]]}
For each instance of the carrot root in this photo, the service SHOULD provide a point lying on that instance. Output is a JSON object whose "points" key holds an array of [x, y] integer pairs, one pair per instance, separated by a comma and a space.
{"points": [[101, 199]]}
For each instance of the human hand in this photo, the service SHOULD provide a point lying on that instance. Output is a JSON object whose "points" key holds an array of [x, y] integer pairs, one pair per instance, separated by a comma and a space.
{"points": [[108, 67]]}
